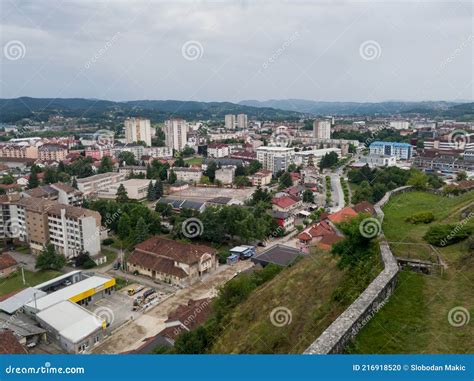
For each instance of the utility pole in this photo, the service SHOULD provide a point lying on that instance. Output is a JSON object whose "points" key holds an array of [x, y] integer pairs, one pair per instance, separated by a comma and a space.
{"points": [[23, 275]]}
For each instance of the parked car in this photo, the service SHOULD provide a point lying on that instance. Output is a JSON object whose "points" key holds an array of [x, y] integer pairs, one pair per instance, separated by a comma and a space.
{"points": [[148, 292], [117, 265]]}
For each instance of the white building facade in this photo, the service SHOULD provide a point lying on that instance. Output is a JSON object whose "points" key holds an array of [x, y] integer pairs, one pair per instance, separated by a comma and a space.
{"points": [[138, 129]]}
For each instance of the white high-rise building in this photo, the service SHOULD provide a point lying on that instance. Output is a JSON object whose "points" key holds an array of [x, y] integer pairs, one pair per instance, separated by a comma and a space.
{"points": [[230, 122], [275, 159], [138, 129], [322, 129], [176, 134], [242, 121]]}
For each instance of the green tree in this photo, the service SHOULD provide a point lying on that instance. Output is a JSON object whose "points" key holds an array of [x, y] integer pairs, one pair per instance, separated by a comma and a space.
{"points": [[122, 195], [124, 227], [158, 189], [49, 260], [50, 176], [308, 196], [127, 157], [8, 179], [172, 177], [211, 171], [106, 165], [150, 194], [418, 180], [74, 183], [33, 181], [261, 195], [285, 181], [328, 160], [461, 176], [141, 230]]}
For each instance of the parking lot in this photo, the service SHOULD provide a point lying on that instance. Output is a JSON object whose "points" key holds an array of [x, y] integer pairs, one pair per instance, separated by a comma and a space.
{"points": [[118, 308]]}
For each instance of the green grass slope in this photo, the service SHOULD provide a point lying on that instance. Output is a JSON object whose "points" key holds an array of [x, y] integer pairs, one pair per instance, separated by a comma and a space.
{"points": [[309, 296], [416, 318]]}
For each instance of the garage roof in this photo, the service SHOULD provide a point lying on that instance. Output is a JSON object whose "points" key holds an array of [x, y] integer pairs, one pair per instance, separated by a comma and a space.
{"points": [[71, 320]]}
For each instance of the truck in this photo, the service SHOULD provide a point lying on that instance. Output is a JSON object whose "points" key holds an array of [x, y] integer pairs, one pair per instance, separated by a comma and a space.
{"points": [[147, 293]]}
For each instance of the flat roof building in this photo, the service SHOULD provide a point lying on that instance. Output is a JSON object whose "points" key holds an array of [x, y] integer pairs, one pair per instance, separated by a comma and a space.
{"points": [[75, 328]]}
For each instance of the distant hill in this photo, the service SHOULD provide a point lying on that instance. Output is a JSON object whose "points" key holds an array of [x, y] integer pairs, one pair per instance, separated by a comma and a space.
{"points": [[39, 109], [355, 108]]}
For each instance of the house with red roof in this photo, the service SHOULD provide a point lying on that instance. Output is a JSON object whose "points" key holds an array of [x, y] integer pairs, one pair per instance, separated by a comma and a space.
{"points": [[315, 234], [286, 204], [7, 265], [345, 214]]}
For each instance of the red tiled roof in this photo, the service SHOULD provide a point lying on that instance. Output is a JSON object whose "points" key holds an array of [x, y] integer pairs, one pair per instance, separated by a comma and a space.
{"points": [[364, 207], [328, 240], [343, 215], [6, 261], [319, 230], [159, 254], [194, 313], [283, 202], [9, 344], [304, 236]]}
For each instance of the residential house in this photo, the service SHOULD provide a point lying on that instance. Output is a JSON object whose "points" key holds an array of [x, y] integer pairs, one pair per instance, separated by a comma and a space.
{"points": [[172, 261]]}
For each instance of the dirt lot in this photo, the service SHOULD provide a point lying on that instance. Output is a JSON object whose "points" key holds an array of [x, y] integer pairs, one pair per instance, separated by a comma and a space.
{"points": [[131, 335], [204, 194]]}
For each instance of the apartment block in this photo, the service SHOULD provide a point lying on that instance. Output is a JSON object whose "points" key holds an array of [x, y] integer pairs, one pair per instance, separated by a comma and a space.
{"points": [[138, 130], [322, 129], [74, 230], [21, 150], [275, 159], [217, 150], [37, 221], [96, 183], [229, 120], [52, 152], [242, 121], [402, 151], [176, 134], [61, 192]]}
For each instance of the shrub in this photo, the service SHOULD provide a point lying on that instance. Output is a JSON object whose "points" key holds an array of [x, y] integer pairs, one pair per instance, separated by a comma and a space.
{"points": [[448, 234], [421, 218], [107, 241]]}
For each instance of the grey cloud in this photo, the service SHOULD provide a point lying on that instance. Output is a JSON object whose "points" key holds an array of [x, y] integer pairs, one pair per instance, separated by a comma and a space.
{"points": [[136, 50]]}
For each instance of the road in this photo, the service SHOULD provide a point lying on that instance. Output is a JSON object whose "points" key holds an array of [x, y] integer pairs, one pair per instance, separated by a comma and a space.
{"points": [[131, 335], [337, 192]]}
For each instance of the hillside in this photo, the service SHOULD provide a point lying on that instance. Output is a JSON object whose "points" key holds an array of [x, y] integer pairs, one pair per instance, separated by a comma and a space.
{"points": [[309, 295], [416, 318], [356, 108], [40, 109]]}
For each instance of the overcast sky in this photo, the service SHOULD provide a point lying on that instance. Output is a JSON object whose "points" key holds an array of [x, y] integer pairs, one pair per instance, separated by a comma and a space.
{"points": [[216, 51]]}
